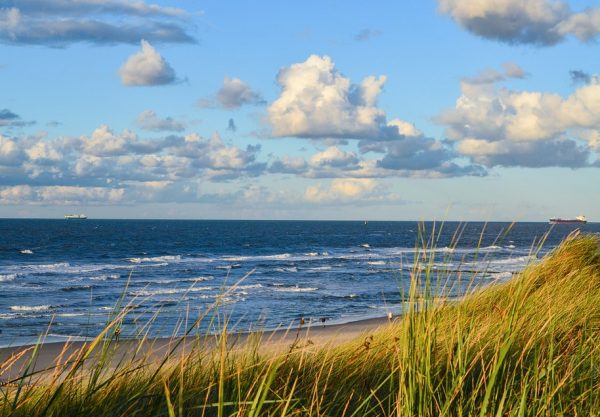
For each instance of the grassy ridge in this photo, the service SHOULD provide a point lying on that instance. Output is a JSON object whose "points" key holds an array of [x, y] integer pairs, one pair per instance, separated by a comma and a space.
{"points": [[528, 347]]}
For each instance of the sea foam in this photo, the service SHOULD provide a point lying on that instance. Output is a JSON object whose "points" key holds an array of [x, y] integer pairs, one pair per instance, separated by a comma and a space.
{"points": [[295, 289], [166, 258], [168, 291], [8, 277], [35, 309]]}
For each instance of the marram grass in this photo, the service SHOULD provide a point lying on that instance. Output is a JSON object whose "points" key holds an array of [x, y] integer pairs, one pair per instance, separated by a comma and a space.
{"points": [[527, 347]]}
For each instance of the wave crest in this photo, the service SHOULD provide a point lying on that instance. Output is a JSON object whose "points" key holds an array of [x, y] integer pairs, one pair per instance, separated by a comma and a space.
{"points": [[165, 258], [8, 277], [35, 309]]}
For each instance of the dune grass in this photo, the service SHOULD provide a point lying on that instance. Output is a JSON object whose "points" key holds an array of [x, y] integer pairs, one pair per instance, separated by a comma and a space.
{"points": [[527, 347]]}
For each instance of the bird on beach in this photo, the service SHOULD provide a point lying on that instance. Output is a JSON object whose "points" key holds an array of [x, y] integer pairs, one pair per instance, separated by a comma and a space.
{"points": [[367, 342]]}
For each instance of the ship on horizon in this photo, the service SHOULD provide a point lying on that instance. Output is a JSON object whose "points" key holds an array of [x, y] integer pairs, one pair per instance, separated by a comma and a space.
{"points": [[576, 220], [75, 216]]}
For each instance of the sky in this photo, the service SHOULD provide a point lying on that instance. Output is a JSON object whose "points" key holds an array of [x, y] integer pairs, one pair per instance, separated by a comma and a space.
{"points": [[414, 110]]}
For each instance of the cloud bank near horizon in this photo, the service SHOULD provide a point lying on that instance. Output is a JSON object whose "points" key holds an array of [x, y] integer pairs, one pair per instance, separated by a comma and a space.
{"points": [[357, 146]]}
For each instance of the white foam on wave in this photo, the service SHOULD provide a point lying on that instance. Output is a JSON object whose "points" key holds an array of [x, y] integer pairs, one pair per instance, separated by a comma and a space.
{"points": [[502, 276], [517, 260], [376, 262], [166, 258], [311, 254], [8, 277], [66, 268], [151, 265], [70, 314], [227, 267], [230, 300], [278, 257], [34, 309], [59, 267], [512, 264], [27, 252], [175, 280], [199, 279], [168, 291], [289, 269], [248, 286], [295, 289], [445, 249], [105, 277], [318, 269]]}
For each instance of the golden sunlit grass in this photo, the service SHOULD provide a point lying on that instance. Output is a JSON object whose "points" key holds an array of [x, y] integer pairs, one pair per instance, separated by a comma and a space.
{"points": [[527, 347]]}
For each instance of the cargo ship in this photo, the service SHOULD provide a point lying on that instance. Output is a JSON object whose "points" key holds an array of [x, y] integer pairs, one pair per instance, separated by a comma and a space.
{"points": [[576, 220], [75, 216]]}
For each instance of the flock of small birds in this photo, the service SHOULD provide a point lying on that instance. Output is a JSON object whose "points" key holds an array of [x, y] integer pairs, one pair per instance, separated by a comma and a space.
{"points": [[302, 321]]}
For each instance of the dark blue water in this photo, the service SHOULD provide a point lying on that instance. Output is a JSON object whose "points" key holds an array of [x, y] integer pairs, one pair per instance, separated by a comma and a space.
{"points": [[71, 273]]}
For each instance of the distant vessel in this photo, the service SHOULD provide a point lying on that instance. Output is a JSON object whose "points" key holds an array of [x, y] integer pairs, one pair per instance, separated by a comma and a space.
{"points": [[75, 216], [576, 220]]}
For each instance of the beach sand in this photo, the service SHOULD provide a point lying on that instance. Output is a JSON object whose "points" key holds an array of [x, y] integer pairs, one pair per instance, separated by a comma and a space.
{"points": [[13, 360]]}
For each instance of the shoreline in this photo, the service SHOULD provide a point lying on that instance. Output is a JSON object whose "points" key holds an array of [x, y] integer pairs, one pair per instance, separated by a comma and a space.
{"points": [[51, 354]]}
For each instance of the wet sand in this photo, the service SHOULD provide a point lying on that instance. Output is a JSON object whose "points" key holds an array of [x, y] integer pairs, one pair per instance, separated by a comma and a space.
{"points": [[13, 360]]}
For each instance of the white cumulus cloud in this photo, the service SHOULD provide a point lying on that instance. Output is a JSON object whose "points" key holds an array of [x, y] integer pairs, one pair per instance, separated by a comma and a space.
{"points": [[10, 152], [149, 120], [540, 22], [497, 126], [317, 101], [146, 68], [233, 94], [164, 168], [341, 189], [334, 157]]}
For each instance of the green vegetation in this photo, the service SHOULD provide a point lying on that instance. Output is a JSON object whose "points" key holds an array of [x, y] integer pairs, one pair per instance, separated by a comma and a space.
{"points": [[528, 347]]}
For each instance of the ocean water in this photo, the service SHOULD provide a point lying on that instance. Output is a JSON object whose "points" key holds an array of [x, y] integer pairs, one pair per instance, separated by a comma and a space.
{"points": [[64, 277]]}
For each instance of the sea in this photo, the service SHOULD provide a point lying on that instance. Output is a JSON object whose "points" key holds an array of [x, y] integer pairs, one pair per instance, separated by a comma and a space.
{"points": [[64, 279]]}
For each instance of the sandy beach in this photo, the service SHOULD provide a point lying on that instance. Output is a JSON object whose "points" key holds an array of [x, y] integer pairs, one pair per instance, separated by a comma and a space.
{"points": [[13, 360]]}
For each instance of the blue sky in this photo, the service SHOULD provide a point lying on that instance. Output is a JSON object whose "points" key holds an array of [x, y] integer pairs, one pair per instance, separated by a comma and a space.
{"points": [[444, 109]]}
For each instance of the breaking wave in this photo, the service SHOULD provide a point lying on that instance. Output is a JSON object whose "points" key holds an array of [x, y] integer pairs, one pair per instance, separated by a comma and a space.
{"points": [[295, 289], [66, 268], [289, 269], [8, 277], [35, 309], [278, 257], [168, 291], [105, 277], [166, 258]]}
